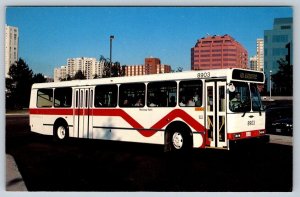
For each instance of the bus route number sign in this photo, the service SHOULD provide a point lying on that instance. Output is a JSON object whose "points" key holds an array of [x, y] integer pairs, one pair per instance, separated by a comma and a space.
{"points": [[203, 75]]}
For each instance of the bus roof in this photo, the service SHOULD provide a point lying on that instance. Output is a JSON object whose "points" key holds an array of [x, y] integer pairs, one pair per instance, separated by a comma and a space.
{"points": [[197, 74]]}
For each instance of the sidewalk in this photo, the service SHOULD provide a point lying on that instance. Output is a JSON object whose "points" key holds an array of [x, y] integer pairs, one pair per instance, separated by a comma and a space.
{"points": [[283, 140], [14, 180]]}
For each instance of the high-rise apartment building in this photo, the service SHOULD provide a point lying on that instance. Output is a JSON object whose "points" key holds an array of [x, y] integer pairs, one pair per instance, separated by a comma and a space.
{"points": [[11, 47], [260, 54], [278, 44], [254, 63], [215, 52], [90, 68]]}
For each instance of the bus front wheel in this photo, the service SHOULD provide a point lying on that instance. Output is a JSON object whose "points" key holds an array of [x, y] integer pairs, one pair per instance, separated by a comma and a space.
{"points": [[61, 132], [178, 138]]}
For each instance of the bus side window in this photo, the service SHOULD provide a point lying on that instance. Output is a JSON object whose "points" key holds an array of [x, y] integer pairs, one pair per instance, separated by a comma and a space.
{"points": [[132, 95], [44, 98], [63, 97], [190, 93], [106, 96], [162, 94]]}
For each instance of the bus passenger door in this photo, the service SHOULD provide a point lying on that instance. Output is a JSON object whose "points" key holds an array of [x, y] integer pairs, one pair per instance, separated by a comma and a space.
{"points": [[82, 113], [216, 113]]}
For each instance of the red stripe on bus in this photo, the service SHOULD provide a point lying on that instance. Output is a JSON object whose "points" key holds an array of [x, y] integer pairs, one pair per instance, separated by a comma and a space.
{"points": [[177, 113]]}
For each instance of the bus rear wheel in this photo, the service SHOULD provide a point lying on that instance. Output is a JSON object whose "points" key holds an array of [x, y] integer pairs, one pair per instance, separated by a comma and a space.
{"points": [[61, 132]]}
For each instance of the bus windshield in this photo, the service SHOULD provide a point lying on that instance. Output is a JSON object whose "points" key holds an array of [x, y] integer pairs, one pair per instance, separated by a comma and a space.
{"points": [[239, 100], [255, 96]]}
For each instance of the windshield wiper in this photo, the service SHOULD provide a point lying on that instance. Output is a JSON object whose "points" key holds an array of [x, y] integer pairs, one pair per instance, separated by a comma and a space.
{"points": [[245, 107]]}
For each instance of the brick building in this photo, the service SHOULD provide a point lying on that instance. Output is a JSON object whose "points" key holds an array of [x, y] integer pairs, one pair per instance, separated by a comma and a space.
{"points": [[152, 66], [215, 52]]}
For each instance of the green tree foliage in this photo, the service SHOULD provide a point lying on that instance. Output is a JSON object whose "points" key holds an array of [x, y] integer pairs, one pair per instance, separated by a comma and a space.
{"points": [[79, 75], [68, 78], [111, 71], [116, 70], [283, 79], [106, 69], [19, 85], [39, 78], [178, 69], [96, 76]]}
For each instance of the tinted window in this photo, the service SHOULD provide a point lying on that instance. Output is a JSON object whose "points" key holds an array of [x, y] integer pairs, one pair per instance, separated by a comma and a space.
{"points": [[162, 94], [106, 96], [190, 93], [132, 95], [45, 98], [63, 97]]}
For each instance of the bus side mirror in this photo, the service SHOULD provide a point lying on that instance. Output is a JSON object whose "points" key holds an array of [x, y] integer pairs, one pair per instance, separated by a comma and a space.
{"points": [[231, 87]]}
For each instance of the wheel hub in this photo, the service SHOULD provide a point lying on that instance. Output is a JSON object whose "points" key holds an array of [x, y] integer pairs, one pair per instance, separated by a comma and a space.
{"points": [[177, 140], [61, 132]]}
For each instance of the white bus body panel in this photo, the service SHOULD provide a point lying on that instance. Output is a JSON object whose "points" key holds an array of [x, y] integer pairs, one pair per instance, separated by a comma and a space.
{"points": [[250, 122]]}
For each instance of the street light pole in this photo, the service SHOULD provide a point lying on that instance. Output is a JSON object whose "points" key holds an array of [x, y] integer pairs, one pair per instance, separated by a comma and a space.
{"points": [[270, 84], [110, 39]]}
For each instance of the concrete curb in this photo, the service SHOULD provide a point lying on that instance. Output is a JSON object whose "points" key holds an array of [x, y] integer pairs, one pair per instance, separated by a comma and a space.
{"points": [[14, 180]]}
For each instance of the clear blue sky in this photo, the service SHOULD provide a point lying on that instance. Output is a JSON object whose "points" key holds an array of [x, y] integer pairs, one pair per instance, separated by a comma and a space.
{"points": [[50, 35]]}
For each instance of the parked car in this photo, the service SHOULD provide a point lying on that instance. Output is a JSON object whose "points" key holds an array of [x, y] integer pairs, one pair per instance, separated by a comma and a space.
{"points": [[279, 120]]}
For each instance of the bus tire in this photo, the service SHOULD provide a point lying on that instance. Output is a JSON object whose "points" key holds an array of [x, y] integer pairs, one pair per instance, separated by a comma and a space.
{"points": [[61, 131], [178, 138]]}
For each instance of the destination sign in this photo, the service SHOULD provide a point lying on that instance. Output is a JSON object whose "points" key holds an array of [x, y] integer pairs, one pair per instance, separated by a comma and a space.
{"points": [[247, 75]]}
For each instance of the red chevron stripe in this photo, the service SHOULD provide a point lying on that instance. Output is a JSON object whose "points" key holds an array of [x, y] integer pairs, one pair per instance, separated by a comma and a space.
{"points": [[177, 113]]}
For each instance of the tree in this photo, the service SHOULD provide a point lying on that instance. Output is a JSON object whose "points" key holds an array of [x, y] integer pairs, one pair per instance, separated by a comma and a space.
{"points": [[21, 79], [106, 69], [39, 78], [283, 79], [178, 69], [96, 76], [116, 70], [79, 75]]}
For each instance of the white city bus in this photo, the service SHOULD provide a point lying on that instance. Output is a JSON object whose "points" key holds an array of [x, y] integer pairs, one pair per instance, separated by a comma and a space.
{"points": [[194, 109]]}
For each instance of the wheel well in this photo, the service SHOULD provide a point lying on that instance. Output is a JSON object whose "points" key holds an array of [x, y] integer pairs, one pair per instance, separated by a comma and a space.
{"points": [[60, 121], [178, 124]]}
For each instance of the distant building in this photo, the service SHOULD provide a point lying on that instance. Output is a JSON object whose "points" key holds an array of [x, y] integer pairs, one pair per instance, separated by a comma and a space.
{"points": [[90, 68], [60, 73], [134, 70], [11, 47], [254, 63], [215, 52], [260, 54], [152, 66], [278, 44]]}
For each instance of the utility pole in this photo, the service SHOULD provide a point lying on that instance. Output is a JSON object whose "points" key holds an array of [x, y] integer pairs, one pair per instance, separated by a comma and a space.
{"points": [[110, 54]]}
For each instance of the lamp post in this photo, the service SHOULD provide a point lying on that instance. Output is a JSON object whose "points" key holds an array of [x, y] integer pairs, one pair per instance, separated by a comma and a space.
{"points": [[110, 39], [270, 84]]}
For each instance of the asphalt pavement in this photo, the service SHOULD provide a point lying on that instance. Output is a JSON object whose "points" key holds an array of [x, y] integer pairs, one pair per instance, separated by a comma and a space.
{"points": [[15, 182]]}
